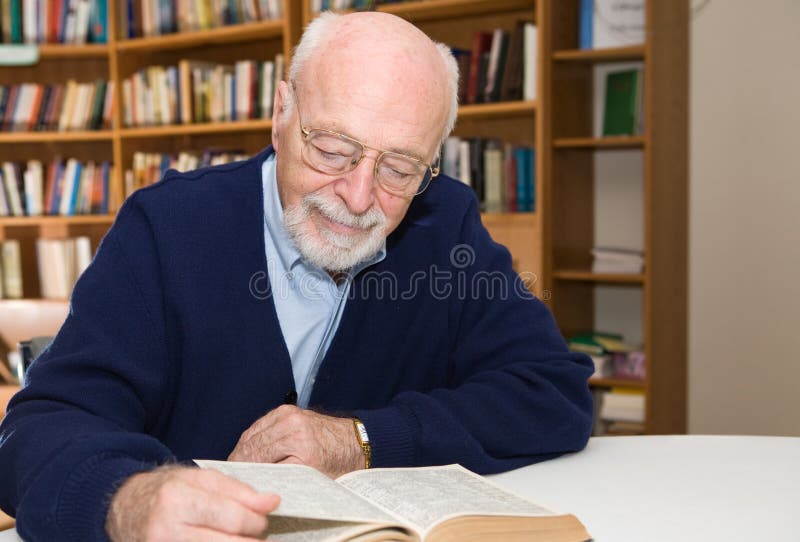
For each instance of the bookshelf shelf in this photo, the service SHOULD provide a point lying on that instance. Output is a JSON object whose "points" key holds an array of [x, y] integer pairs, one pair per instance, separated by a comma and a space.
{"points": [[256, 31], [443, 9], [37, 221], [191, 129], [599, 142], [56, 137], [588, 276], [501, 109], [59, 51], [518, 219], [616, 383], [612, 54]]}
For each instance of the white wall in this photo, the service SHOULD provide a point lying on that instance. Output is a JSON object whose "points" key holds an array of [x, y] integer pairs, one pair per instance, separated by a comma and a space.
{"points": [[744, 298]]}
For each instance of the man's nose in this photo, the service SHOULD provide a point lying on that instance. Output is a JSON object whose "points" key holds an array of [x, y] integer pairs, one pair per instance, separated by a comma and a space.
{"points": [[358, 187]]}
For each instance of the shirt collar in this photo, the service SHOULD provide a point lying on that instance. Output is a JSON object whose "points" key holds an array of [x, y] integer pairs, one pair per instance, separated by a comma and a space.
{"points": [[273, 217]]}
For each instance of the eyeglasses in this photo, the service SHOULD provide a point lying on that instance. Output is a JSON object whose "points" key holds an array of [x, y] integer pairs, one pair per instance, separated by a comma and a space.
{"points": [[333, 153]]}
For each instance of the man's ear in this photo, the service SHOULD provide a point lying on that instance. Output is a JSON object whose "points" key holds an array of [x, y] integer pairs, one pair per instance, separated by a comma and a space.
{"points": [[278, 116]]}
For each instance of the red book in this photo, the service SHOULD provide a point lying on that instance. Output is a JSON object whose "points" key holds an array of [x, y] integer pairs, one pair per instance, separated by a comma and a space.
{"points": [[481, 43]]}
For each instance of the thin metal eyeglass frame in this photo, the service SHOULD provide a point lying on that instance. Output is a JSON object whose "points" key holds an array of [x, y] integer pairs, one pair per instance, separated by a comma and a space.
{"points": [[305, 132]]}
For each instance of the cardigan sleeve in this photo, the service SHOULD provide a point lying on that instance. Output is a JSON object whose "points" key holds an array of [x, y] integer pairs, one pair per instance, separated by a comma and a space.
{"points": [[77, 428], [516, 395]]}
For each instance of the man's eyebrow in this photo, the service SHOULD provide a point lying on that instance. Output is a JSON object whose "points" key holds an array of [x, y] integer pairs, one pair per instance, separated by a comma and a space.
{"points": [[335, 127]]}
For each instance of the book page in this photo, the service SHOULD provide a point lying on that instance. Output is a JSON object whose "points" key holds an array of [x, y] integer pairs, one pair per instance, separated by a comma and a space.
{"points": [[290, 529], [425, 496], [305, 492]]}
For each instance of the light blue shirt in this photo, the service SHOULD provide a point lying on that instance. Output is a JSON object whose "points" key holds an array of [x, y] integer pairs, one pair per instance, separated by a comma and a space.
{"points": [[308, 301]]}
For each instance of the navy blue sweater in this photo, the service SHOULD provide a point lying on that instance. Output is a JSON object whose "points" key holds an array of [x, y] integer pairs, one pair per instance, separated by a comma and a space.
{"points": [[172, 348]]}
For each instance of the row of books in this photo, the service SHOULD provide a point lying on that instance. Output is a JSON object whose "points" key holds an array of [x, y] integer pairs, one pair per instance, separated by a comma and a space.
{"points": [[198, 91], [10, 270], [500, 66], [61, 262], [159, 17], [502, 175], [65, 188], [54, 21], [612, 356], [617, 260], [619, 411], [610, 23], [339, 5], [148, 168], [57, 107]]}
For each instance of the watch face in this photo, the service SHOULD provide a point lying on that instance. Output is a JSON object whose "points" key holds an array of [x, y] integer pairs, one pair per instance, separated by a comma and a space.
{"points": [[362, 432]]}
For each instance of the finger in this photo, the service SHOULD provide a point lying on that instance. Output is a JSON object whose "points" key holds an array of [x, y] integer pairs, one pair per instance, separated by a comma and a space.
{"points": [[193, 534], [220, 513], [291, 460], [218, 483], [267, 423]]}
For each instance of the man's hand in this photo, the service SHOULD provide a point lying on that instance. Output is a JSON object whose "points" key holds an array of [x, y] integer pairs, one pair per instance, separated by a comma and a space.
{"points": [[290, 434], [174, 504]]}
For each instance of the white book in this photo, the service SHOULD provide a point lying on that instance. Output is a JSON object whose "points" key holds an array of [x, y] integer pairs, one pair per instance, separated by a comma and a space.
{"points": [[34, 181], [22, 111], [12, 190], [4, 208], [530, 61], [29, 21], [628, 407], [127, 98], [83, 255], [12, 268], [82, 22], [464, 166], [267, 88], [617, 23], [493, 178], [450, 162], [275, 9]]}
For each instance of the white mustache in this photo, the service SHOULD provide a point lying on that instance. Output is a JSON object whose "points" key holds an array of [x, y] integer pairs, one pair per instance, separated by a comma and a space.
{"points": [[337, 212]]}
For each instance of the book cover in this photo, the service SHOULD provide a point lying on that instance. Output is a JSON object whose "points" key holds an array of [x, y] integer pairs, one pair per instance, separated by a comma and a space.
{"points": [[621, 102], [481, 42]]}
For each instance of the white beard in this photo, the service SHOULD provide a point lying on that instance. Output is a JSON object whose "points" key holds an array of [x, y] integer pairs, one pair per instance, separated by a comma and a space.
{"points": [[333, 251]]}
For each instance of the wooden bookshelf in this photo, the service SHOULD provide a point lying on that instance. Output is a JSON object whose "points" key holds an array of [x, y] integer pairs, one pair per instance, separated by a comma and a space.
{"points": [[552, 244], [571, 195]]}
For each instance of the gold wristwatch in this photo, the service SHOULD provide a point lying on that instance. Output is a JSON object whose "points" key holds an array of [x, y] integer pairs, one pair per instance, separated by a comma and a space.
{"points": [[363, 441]]}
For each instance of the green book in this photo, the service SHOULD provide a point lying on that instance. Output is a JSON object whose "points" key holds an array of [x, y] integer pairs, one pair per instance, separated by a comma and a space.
{"points": [[622, 101]]}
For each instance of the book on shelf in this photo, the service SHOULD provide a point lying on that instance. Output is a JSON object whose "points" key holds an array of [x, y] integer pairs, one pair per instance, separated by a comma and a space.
{"points": [[61, 262], [617, 260], [54, 21], [414, 504], [10, 269], [622, 405], [66, 106], [62, 188], [148, 168], [197, 91], [503, 175], [610, 23], [148, 18], [612, 355], [623, 103]]}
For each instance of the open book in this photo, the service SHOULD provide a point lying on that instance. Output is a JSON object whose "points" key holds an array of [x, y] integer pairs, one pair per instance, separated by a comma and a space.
{"points": [[415, 504]]}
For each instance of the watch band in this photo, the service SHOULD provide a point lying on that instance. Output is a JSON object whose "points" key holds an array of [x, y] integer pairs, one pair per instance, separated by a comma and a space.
{"points": [[363, 441]]}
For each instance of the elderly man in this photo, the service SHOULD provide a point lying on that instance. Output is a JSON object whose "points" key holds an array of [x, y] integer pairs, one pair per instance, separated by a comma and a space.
{"points": [[326, 302]]}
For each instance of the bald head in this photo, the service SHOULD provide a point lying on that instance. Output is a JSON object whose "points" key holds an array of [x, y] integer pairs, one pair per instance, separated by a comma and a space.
{"points": [[371, 52]]}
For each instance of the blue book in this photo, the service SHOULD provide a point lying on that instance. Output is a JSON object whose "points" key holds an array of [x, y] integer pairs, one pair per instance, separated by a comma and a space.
{"points": [[98, 21], [532, 184], [521, 161], [106, 170], [75, 187], [585, 24]]}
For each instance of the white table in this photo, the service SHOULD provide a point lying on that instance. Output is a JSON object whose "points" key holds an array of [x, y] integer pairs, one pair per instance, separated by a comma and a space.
{"points": [[668, 488]]}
